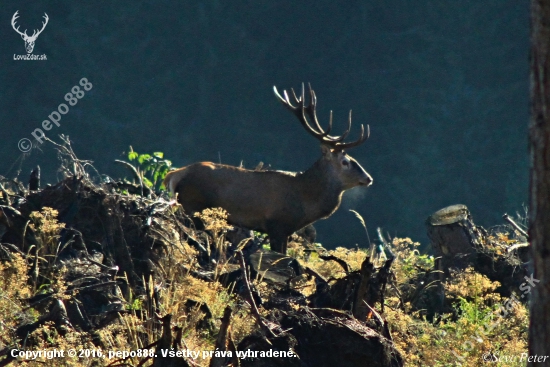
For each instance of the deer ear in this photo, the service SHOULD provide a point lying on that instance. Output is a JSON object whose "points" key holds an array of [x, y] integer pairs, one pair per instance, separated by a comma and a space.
{"points": [[325, 149]]}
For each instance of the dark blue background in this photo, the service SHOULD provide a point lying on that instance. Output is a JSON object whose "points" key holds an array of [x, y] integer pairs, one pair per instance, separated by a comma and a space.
{"points": [[443, 85]]}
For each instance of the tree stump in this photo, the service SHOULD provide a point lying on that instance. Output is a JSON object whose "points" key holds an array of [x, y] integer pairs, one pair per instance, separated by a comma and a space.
{"points": [[460, 243], [454, 236]]}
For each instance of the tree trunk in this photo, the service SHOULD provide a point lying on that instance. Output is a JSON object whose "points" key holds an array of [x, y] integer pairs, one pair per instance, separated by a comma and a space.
{"points": [[539, 208]]}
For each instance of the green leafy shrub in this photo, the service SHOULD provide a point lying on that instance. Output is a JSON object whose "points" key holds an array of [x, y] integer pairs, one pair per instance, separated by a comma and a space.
{"points": [[152, 168]]}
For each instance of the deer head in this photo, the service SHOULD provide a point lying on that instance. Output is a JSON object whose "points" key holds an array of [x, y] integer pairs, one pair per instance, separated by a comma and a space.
{"points": [[344, 168], [29, 40]]}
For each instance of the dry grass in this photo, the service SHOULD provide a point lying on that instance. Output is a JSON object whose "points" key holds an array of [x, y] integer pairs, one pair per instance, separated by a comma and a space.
{"points": [[461, 334]]}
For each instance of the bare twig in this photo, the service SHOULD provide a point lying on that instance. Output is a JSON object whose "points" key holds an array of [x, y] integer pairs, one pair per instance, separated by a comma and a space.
{"points": [[5, 195], [383, 323], [517, 245], [515, 226], [246, 281], [68, 158], [381, 236], [134, 171], [358, 216], [385, 242], [15, 182], [342, 263]]}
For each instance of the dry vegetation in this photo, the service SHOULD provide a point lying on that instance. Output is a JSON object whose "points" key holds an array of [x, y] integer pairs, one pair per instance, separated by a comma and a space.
{"points": [[475, 326], [136, 327], [45, 272], [422, 342]]}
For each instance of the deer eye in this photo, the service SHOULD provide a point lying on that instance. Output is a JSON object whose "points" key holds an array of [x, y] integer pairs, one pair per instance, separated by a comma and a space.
{"points": [[345, 163]]}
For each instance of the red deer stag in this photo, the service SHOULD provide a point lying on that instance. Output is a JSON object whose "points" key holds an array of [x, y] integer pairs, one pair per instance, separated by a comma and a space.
{"points": [[275, 202]]}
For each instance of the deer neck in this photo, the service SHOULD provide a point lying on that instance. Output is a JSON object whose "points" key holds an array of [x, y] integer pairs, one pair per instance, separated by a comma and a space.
{"points": [[321, 192]]}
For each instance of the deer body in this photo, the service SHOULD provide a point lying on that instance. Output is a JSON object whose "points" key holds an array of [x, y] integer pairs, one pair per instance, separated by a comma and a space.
{"points": [[278, 203]]}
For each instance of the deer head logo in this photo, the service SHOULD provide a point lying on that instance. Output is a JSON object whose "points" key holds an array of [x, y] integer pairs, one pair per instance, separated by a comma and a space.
{"points": [[29, 40]]}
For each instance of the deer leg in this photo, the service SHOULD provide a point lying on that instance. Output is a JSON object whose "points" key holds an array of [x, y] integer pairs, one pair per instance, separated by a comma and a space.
{"points": [[279, 244], [278, 239]]}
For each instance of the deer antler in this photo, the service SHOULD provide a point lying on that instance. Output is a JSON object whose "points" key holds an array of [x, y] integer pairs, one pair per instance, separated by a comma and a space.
{"points": [[335, 142], [24, 34], [13, 19], [43, 26]]}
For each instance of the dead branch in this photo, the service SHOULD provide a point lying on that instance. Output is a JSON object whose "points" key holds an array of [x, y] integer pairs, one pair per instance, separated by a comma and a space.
{"points": [[134, 172], [381, 322], [342, 263], [516, 226], [246, 281], [359, 310], [517, 245]]}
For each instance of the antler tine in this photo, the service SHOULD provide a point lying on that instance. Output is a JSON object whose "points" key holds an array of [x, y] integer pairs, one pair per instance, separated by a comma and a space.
{"points": [[361, 140], [313, 127], [13, 21], [299, 110], [329, 123], [338, 139], [346, 133], [279, 97], [312, 112], [288, 100], [14, 18], [298, 100], [285, 100], [46, 18]]}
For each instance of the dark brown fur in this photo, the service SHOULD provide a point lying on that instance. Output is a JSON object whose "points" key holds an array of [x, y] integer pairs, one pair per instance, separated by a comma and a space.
{"points": [[278, 203], [275, 202]]}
